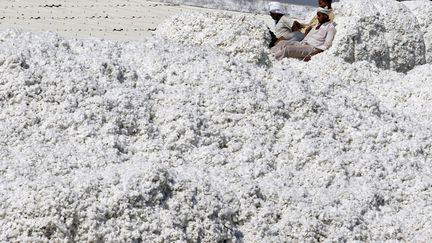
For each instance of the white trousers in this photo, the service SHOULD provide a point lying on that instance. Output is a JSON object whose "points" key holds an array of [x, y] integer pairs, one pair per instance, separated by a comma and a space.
{"points": [[291, 49]]}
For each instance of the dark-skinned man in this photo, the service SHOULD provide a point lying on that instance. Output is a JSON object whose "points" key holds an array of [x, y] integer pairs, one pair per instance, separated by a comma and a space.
{"points": [[285, 28], [318, 39], [305, 28]]}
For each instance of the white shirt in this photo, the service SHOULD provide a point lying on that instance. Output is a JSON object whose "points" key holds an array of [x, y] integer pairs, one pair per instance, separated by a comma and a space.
{"points": [[321, 38], [283, 27]]}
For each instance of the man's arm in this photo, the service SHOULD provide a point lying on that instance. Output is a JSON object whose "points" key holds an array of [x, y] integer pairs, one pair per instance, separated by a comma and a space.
{"points": [[308, 29], [312, 23], [296, 26]]}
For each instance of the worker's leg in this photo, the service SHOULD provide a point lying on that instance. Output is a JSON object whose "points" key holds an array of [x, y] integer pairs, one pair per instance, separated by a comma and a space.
{"points": [[291, 49]]}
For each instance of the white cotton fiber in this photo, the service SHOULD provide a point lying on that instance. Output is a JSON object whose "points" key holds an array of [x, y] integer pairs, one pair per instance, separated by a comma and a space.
{"points": [[235, 35], [422, 11], [383, 32], [202, 139]]}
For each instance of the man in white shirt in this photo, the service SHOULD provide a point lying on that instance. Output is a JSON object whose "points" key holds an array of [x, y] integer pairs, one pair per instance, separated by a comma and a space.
{"points": [[283, 25], [319, 39]]}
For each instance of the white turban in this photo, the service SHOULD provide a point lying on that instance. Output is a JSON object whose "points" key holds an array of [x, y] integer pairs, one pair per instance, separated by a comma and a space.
{"points": [[325, 11], [276, 7]]}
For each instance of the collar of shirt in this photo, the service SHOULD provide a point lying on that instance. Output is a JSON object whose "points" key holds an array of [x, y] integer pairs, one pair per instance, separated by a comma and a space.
{"points": [[325, 24]]}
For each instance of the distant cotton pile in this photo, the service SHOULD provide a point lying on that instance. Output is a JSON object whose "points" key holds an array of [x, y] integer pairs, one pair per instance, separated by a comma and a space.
{"points": [[386, 33], [422, 11], [189, 140], [390, 34], [235, 35]]}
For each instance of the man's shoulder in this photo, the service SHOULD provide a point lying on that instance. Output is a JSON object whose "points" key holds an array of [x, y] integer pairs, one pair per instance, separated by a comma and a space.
{"points": [[330, 25], [285, 18]]}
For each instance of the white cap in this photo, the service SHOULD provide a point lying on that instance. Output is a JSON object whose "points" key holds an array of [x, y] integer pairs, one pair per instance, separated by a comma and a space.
{"points": [[324, 11], [276, 7]]}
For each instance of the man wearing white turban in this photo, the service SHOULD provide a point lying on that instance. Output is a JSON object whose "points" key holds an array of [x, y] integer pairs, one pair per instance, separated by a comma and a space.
{"points": [[283, 25], [314, 21], [319, 39]]}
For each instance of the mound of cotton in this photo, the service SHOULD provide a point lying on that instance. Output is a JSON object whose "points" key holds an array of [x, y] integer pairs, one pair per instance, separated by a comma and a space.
{"points": [[410, 95], [383, 32], [83, 156], [371, 31], [235, 35], [422, 11], [159, 141]]}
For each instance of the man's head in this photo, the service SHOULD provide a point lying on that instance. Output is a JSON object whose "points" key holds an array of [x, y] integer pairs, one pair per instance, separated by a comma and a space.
{"points": [[325, 3], [323, 15], [276, 10]]}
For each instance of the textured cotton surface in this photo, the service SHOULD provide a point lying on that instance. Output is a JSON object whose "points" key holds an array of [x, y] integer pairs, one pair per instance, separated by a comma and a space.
{"points": [[389, 34], [164, 141], [422, 11], [386, 33], [239, 36]]}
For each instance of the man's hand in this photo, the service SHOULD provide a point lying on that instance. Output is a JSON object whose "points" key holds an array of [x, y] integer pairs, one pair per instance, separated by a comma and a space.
{"points": [[279, 40], [296, 26]]}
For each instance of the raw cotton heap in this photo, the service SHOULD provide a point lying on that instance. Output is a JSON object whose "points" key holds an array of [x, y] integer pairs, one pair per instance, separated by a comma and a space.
{"points": [[371, 30], [383, 32], [422, 10], [158, 141], [235, 35]]}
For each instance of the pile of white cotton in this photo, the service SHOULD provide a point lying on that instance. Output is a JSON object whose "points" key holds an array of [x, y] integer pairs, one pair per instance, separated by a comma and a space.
{"points": [[163, 141], [389, 34], [239, 36], [386, 33], [422, 11]]}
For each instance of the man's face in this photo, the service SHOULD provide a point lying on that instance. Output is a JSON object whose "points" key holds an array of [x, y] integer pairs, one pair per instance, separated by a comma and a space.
{"points": [[322, 3], [322, 18]]}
